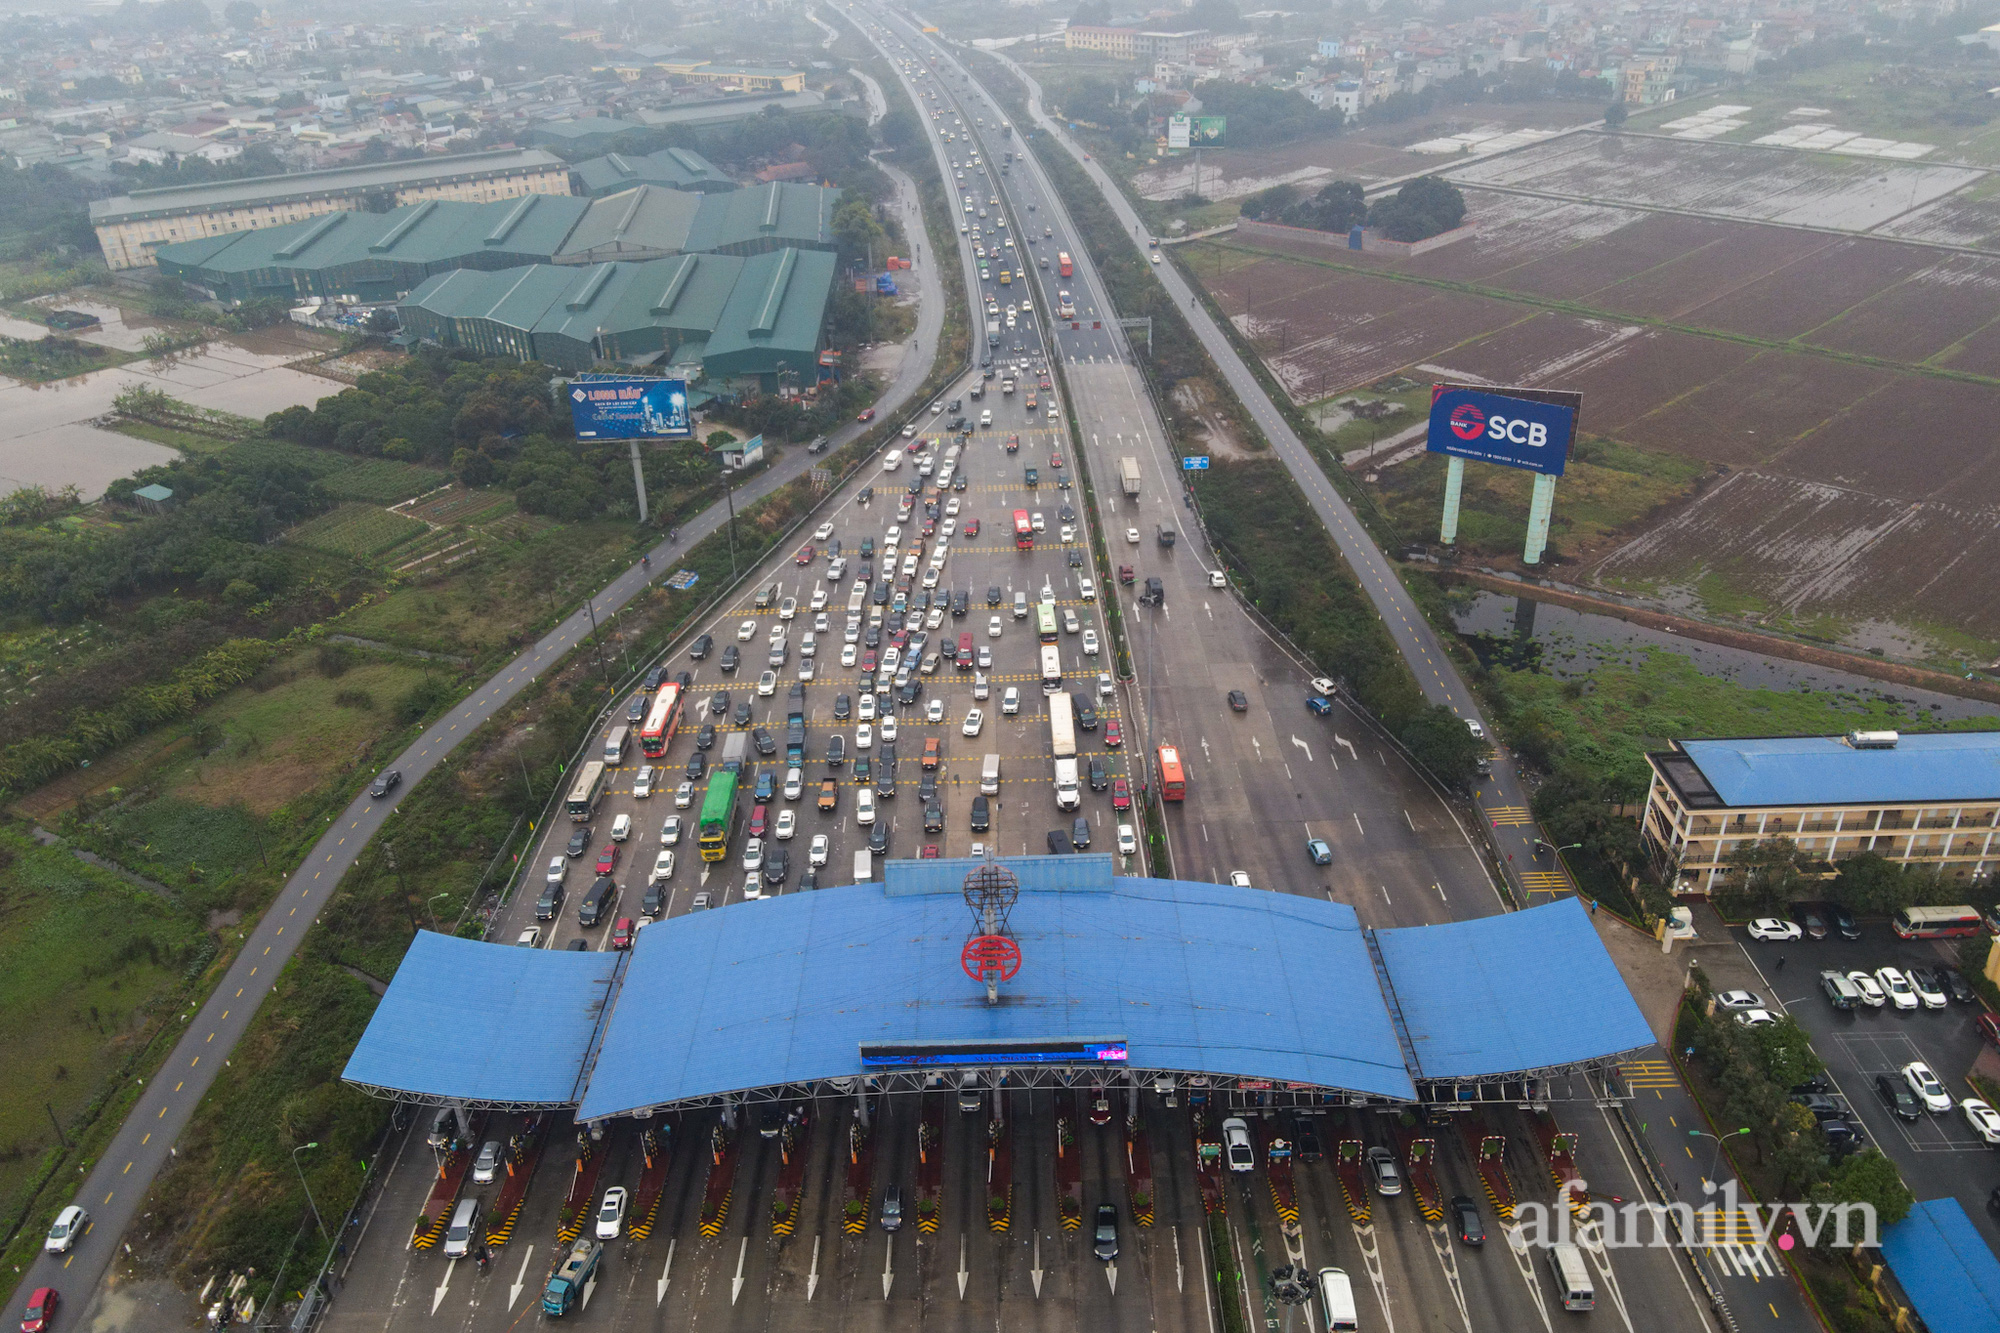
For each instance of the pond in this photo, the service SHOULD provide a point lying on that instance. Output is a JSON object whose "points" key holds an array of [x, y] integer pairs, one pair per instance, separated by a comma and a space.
{"points": [[1524, 634]]}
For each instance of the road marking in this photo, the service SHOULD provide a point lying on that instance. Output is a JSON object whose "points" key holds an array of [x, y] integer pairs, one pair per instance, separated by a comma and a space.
{"points": [[1385, 893], [1357, 823], [1303, 746]]}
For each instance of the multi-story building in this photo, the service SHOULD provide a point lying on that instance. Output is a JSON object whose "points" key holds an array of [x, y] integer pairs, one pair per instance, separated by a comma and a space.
{"points": [[130, 227], [1931, 800], [1134, 44]]}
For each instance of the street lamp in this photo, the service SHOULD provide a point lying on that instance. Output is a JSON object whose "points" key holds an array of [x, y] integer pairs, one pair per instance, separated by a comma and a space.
{"points": [[308, 1189], [433, 911], [1717, 1155]]}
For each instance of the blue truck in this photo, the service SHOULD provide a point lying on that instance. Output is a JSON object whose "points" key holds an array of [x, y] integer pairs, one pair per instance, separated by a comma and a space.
{"points": [[573, 1278]]}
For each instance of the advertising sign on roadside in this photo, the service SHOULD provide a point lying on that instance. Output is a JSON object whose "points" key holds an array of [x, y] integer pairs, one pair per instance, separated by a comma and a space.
{"points": [[629, 407], [1178, 129], [1208, 129], [1524, 428]]}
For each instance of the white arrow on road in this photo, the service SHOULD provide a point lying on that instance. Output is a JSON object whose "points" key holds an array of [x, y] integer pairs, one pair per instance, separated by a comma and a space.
{"points": [[1111, 1276], [1303, 746], [1204, 606], [1204, 747], [589, 1286], [812, 1278], [1036, 1271], [888, 1267], [1347, 745], [666, 1274], [520, 1278], [1180, 1274], [961, 1265], [736, 1283], [1258, 746], [437, 1297]]}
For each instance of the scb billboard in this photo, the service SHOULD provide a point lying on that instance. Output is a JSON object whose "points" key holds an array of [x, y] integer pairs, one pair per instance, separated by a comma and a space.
{"points": [[617, 407], [1524, 428]]}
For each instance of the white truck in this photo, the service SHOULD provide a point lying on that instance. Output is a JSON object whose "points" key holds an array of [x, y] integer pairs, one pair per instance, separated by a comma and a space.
{"points": [[1128, 474], [1062, 742]]}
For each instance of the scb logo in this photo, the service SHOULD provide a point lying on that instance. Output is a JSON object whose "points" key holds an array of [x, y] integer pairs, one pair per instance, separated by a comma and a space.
{"points": [[1469, 423]]}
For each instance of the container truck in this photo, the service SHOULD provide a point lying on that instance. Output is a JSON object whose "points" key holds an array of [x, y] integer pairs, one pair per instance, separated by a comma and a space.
{"points": [[1128, 474], [1062, 742]]}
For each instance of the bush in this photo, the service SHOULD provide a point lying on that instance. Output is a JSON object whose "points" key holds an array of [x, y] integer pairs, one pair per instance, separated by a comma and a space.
{"points": [[423, 699], [1423, 208], [360, 699]]}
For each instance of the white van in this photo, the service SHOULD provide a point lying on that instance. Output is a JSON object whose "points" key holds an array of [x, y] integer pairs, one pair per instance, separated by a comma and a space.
{"points": [[1020, 606], [864, 805], [1572, 1278], [621, 828], [864, 867], [1336, 1298], [989, 775], [464, 1223], [985, 417], [614, 745], [892, 460]]}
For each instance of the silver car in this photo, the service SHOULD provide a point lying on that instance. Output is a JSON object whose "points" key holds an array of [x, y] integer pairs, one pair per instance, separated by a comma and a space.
{"points": [[487, 1164]]}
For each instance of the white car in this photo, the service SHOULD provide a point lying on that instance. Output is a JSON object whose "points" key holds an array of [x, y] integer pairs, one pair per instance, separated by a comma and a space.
{"points": [[1036, 522], [1738, 999], [70, 1225], [1756, 1018], [1132, 536], [670, 832], [980, 689], [817, 853], [1010, 702], [642, 786], [753, 854], [1925, 1084], [1771, 928], [1128, 841], [974, 720], [1236, 1145], [611, 1213], [788, 608], [993, 628], [1932, 997], [1105, 689], [663, 866], [934, 620], [788, 825], [893, 535], [795, 784], [822, 532], [931, 578], [1985, 1121], [888, 727], [864, 708], [767, 684], [1478, 732], [934, 711], [745, 631], [753, 889], [1240, 878], [1086, 590], [1090, 643], [982, 659], [1901, 993], [951, 507], [684, 796], [849, 654], [1324, 686], [1068, 532], [1871, 994], [818, 602], [531, 938], [557, 866], [864, 735]]}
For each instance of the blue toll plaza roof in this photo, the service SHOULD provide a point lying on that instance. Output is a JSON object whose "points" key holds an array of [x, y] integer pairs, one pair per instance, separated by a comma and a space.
{"points": [[467, 1020], [1528, 990], [1946, 1268], [1825, 770], [1202, 978]]}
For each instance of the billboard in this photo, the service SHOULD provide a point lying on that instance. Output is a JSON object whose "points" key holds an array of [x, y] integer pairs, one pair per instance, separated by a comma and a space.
{"points": [[1178, 130], [1208, 129], [620, 407], [1524, 428]]}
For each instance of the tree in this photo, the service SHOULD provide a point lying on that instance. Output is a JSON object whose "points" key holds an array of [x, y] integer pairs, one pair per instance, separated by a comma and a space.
{"points": [[242, 15], [1868, 1177], [1767, 875], [1442, 743], [1270, 205], [1871, 883], [1614, 115], [1423, 208], [1785, 1052], [1339, 206]]}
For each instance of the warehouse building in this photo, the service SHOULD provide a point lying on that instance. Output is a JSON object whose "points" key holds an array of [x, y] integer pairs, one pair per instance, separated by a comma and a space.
{"points": [[727, 318], [591, 134], [368, 258], [130, 228], [1930, 800], [675, 168]]}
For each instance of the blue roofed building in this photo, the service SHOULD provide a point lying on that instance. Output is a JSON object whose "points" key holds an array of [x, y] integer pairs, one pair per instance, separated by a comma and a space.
{"points": [[1931, 799], [1945, 1267]]}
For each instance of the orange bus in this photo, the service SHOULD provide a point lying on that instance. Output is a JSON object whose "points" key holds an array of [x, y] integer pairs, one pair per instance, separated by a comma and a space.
{"points": [[1024, 531], [1062, 263], [1173, 779], [661, 720]]}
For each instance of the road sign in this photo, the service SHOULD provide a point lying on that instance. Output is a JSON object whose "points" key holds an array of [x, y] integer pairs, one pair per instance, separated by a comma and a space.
{"points": [[1195, 463], [683, 579]]}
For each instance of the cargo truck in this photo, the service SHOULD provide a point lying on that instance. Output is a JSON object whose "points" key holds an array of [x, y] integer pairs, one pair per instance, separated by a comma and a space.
{"points": [[992, 333], [1128, 475], [735, 749], [573, 1279], [1062, 743]]}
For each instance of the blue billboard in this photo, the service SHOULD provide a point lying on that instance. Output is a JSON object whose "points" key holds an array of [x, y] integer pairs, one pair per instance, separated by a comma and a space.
{"points": [[621, 407], [1524, 428]]}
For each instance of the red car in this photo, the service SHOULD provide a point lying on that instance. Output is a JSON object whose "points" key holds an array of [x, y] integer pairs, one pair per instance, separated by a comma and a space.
{"points": [[1013, 444], [930, 527], [1121, 792], [1113, 738], [867, 414], [607, 858], [41, 1313], [621, 934], [1045, 381], [971, 527], [930, 851], [868, 660], [759, 817], [805, 555], [1055, 460]]}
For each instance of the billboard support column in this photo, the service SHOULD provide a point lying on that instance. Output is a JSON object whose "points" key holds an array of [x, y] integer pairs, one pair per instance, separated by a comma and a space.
{"points": [[1454, 485], [1540, 506], [639, 480]]}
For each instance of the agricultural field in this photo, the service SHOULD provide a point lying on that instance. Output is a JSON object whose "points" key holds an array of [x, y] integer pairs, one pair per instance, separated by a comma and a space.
{"points": [[358, 530], [1779, 424], [383, 481]]}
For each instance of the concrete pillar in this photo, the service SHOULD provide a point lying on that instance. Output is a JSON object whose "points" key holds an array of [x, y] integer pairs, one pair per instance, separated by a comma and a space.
{"points": [[1454, 484], [729, 1112], [1540, 507], [639, 480], [861, 1103], [464, 1121], [1131, 1096]]}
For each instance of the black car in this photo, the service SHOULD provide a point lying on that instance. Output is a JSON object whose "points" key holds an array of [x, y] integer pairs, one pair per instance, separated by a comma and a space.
{"points": [[385, 783], [1896, 1095], [761, 738], [885, 779], [777, 864], [889, 753], [1817, 1083], [1079, 832], [1105, 1245], [549, 906], [982, 818], [653, 679], [958, 480], [809, 880], [1065, 515], [959, 604], [836, 751], [718, 703], [933, 818], [872, 637], [579, 841], [697, 766], [1465, 1221], [881, 595], [1811, 920], [1306, 1144], [635, 709], [742, 715], [993, 594], [1843, 920], [1156, 591], [907, 695], [1076, 557], [895, 622], [863, 769], [1086, 713], [1239, 701], [578, 945], [865, 573], [1058, 842], [653, 901], [730, 657], [1099, 778], [1822, 1106], [685, 680], [704, 739], [878, 837], [796, 697], [843, 707], [1957, 986]]}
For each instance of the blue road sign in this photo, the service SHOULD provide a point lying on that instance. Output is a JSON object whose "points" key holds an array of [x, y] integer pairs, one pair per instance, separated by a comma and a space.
{"points": [[1195, 463]]}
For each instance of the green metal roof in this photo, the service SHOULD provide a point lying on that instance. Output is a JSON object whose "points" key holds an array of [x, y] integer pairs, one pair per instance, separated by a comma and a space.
{"points": [[645, 222], [765, 217], [335, 182], [675, 168], [773, 314], [569, 132]]}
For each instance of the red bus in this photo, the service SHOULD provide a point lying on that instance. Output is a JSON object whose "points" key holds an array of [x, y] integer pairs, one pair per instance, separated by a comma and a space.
{"points": [[1173, 779], [661, 720], [1024, 531], [1062, 263], [1936, 923]]}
